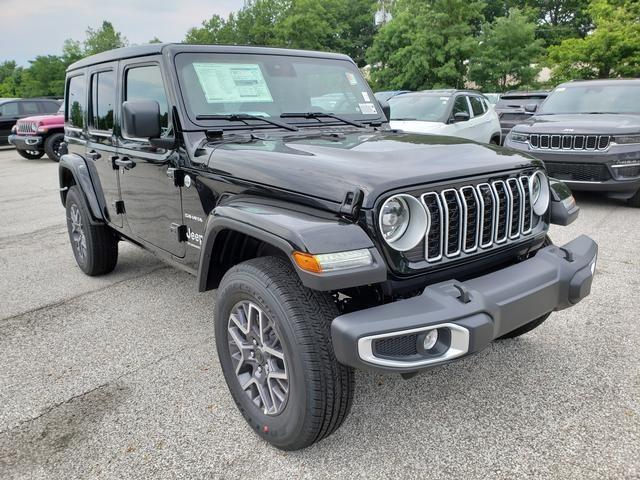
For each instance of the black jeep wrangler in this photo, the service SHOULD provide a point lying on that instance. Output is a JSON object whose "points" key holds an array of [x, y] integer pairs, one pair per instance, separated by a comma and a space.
{"points": [[334, 242]]}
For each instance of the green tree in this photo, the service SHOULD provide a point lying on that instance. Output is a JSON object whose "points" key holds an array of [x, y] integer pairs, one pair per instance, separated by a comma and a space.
{"points": [[612, 49], [102, 39], [10, 79], [44, 77], [426, 44], [155, 40], [507, 48]]}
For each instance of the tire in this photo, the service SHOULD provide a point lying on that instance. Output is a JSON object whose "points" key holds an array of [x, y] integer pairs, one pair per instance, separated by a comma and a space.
{"points": [[30, 154], [52, 145], [495, 141], [95, 246], [527, 327], [319, 389], [635, 200]]}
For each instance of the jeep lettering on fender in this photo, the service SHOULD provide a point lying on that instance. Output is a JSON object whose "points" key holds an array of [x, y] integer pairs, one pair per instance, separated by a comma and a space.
{"points": [[335, 242]]}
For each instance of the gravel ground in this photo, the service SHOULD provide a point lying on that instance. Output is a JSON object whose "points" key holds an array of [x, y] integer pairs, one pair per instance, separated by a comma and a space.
{"points": [[117, 377]]}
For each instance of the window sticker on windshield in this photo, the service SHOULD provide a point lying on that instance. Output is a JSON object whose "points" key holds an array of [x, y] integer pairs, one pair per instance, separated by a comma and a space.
{"points": [[560, 89], [368, 108], [232, 82], [351, 77], [365, 96]]}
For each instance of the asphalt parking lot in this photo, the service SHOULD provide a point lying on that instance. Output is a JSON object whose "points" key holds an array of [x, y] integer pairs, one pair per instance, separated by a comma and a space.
{"points": [[117, 377]]}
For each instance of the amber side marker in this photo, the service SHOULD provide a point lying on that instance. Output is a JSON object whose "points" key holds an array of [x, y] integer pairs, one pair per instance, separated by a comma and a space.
{"points": [[307, 262]]}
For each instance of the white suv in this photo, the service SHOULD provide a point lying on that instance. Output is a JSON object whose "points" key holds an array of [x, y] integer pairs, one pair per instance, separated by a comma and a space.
{"points": [[457, 113]]}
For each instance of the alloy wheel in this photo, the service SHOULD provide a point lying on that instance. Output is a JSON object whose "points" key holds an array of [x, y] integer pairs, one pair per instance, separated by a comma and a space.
{"points": [[77, 233]]}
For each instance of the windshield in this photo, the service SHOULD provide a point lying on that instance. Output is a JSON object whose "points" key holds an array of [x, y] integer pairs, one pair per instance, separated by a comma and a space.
{"points": [[593, 98], [426, 108], [218, 84]]}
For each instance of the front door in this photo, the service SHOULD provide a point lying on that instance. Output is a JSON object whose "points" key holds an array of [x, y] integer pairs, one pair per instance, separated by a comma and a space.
{"points": [[101, 145], [9, 115], [152, 203]]}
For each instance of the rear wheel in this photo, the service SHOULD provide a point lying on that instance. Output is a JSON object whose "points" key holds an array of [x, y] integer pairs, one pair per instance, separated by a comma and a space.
{"points": [[95, 246], [274, 344], [52, 146], [635, 200], [30, 154]]}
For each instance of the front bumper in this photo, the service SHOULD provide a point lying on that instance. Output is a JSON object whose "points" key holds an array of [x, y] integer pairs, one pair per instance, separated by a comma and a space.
{"points": [[26, 142], [468, 315]]}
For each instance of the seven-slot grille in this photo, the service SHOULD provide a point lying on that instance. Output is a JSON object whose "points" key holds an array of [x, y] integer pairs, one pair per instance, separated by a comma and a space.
{"points": [[546, 141], [481, 216], [25, 127]]}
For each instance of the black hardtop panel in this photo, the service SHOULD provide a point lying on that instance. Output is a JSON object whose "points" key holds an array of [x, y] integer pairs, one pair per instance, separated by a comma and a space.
{"points": [[174, 48]]}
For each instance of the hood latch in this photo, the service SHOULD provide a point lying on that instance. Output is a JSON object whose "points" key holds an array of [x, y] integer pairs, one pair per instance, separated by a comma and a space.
{"points": [[351, 204]]}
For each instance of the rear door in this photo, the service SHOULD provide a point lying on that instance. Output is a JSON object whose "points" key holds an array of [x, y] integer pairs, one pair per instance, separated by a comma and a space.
{"points": [[9, 114], [101, 145], [152, 202]]}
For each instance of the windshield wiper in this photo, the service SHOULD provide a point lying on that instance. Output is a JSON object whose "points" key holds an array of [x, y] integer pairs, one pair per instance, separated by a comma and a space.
{"points": [[322, 115], [404, 119], [243, 117]]}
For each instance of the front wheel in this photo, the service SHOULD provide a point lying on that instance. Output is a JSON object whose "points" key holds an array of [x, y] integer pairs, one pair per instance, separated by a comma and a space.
{"points": [[635, 200], [52, 146], [274, 344], [30, 154]]}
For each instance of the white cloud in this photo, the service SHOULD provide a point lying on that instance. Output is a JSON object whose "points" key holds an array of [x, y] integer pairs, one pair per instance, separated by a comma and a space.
{"points": [[40, 27]]}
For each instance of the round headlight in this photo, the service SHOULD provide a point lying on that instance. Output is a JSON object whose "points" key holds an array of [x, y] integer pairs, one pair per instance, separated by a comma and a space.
{"points": [[539, 191], [34, 127], [403, 222]]}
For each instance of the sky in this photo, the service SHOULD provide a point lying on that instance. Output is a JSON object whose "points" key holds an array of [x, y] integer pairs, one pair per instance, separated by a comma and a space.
{"points": [[40, 27]]}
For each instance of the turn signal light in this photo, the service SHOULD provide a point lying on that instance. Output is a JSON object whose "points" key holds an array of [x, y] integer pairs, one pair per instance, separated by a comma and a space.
{"points": [[330, 262]]}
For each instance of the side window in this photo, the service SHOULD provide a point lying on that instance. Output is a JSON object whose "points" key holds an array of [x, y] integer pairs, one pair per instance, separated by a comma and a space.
{"points": [[76, 102], [9, 109], [49, 107], [145, 83], [103, 98], [29, 108], [461, 105], [476, 106]]}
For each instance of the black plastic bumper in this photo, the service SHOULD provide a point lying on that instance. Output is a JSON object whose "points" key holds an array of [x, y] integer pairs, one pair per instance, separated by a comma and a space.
{"points": [[26, 142], [474, 312]]}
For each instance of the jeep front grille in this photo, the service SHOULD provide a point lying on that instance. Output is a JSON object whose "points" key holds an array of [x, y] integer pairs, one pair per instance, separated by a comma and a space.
{"points": [[472, 217], [26, 127], [545, 141]]}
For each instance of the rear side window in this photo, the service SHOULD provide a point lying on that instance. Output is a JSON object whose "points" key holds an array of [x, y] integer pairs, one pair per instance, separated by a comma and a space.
{"points": [[29, 108], [103, 98], [50, 107], [76, 102], [9, 109], [145, 83], [476, 106]]}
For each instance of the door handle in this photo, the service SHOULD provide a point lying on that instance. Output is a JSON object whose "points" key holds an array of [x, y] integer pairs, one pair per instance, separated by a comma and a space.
{"points": [[124, 162], [93, 155]]}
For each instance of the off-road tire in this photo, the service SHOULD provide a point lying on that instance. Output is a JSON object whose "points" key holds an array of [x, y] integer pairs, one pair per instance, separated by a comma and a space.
{"points": [[30, 154], [100, 242], [51, 145], [320, 389], [635, 200], [527, 327]]}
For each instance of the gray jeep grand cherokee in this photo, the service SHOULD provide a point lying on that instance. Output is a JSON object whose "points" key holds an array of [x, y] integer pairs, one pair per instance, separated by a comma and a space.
{"points": [[334, 241], [588, 135]]}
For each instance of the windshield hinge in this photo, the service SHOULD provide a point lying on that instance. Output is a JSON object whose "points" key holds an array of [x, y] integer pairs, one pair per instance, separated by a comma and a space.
{"points": [[177, 175], [351, 204]]}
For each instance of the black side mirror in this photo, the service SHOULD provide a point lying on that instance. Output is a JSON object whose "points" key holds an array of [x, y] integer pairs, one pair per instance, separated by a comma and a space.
{"points": [[141, 119], [461, 117], [386, 108], [531, 107]]}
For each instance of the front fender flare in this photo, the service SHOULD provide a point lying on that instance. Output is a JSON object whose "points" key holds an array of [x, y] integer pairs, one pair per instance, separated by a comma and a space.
{"points": [[76, 165], [564, 209], [289, 229]]}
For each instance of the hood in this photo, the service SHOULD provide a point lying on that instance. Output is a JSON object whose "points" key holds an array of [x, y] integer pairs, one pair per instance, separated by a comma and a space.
{"points": [[45, 119], [372, 161], [614, 123]]}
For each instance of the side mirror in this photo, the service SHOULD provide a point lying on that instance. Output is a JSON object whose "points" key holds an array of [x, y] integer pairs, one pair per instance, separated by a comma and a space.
{"points": [[141, 119], [386, 108], [530, 107], [461, 117]]}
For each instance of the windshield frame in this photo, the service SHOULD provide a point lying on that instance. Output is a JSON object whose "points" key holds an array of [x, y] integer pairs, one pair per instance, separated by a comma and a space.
{"points": [[560, 88], [203, 124]]}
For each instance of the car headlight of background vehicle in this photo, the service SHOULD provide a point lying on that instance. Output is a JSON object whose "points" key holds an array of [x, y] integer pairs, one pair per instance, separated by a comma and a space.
{"points": [[626, 139], [403, 222], [540, 193], [519, 137]]}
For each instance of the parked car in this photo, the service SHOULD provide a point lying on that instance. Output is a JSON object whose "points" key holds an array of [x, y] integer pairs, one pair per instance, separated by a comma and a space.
{"points": [[385, 96], [588, 134], [515, 107], [13, 109], [457, 113], [35, 136], [334, 241]]}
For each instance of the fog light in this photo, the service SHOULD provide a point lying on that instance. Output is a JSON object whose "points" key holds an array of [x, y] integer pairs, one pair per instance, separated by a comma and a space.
{"points": [[430, 339]]}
